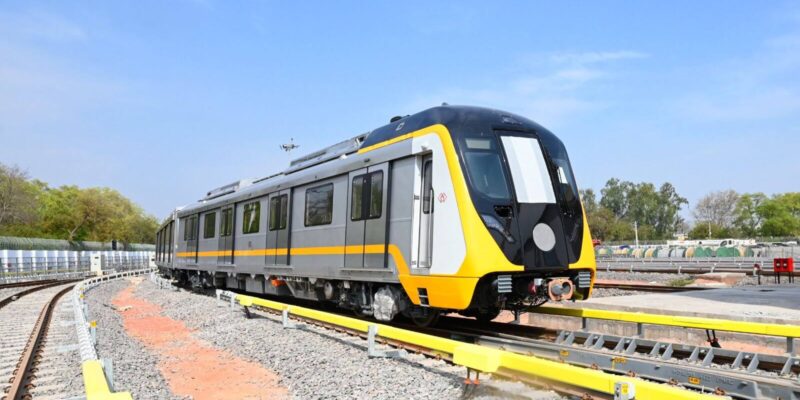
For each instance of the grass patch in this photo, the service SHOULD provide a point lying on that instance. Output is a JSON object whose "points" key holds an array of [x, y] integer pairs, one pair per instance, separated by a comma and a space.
{"points": [[681, 282]]}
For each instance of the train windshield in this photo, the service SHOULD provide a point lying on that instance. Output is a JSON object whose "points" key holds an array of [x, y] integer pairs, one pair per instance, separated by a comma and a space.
{"points": [[566, 185], [532, 183], [485, 168]]}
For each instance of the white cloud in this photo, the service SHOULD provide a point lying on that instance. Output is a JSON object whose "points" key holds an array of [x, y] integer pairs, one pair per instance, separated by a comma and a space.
{"points": [[596, 57], [551, 88], [762, 86]]}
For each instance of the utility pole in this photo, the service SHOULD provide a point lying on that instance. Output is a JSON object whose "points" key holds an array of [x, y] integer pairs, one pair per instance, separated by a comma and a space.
{"points": [[636, 232]]}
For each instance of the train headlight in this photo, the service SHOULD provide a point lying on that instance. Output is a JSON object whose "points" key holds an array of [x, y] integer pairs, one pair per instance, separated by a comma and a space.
{"points": [[544, 237], [492, 223]]}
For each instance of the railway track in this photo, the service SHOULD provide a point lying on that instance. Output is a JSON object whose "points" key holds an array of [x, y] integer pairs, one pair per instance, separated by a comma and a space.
{"points": [[645, 286], [724, 371], [691, 268], [23, 284], [730, 372], [37, 355]]}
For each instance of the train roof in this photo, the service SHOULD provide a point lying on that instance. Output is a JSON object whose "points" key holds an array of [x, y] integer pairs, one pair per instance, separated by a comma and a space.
{"points": [[455, 118]]}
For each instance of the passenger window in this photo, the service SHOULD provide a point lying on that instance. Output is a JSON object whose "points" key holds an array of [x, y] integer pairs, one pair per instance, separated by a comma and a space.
{"points": [[277, 212], [190, 229], [251, 217], [367, 189], [375, 194], [319, 205], [427, 187], [284, 211], [357, 198], [209, 225], [226, 222]]}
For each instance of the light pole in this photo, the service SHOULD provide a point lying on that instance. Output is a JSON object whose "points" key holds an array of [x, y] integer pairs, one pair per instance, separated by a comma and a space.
{"points": [[636, 232]]}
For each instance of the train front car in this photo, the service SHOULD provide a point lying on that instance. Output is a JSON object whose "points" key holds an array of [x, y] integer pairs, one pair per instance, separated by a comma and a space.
{"points": [[516, 205], [453, 209]]}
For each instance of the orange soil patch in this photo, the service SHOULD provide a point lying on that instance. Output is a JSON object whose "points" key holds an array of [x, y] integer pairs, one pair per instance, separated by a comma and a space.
{"points": [[191, 366]]}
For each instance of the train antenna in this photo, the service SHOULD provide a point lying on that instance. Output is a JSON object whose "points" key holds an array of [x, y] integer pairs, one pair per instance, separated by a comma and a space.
{"points": [[289, 146]]}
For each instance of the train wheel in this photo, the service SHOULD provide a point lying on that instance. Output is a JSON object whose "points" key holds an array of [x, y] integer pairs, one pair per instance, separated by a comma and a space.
{"points": [[425, 319], [487, 315]]}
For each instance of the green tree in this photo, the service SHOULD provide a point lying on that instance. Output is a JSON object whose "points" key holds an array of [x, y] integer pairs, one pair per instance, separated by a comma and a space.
{"points": [[614, 196], [780, 215], [589, 200], [18, 199], [701, 231], [747, 219], [657, 212]]}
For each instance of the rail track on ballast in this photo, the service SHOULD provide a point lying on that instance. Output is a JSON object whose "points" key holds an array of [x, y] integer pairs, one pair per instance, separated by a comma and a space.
{"points": [[31, 356], [666, 266], [25, 283], [647, 287], [700, 369]]}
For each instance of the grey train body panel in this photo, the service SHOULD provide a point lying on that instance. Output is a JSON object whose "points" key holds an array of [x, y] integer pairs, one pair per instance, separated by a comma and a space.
{"points": [[401, 199], [363, 267]]}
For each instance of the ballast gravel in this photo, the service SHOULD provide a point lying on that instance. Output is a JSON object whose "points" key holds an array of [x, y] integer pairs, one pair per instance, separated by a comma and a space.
{"points": [[313, 363], [135, 368]]}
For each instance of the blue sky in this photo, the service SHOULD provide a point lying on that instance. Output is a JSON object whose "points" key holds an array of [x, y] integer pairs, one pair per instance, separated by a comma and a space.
{"points": [[164, 101]]}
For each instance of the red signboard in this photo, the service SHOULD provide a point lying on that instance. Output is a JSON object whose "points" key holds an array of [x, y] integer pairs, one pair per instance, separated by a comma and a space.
{"points": [[781, 265]]}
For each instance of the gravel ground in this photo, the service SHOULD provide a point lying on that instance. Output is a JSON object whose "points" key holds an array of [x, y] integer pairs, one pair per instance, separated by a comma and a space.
{"points": [[11, 291], [314, 363], [135, 369]]}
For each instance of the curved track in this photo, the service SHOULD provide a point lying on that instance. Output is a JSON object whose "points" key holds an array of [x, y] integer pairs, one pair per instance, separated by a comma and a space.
{"points": [[25, 318]]}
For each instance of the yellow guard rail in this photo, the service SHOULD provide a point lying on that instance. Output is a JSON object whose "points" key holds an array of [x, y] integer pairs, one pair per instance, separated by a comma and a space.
{"points": [[756, 328], [94, 381]]}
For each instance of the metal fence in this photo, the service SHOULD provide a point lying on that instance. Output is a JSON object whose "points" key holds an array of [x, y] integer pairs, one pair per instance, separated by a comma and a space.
{"points": [[24, 265]]}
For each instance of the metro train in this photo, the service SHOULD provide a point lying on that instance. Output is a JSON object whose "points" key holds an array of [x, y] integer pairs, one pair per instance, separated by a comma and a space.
{"points": [[453, 209]]}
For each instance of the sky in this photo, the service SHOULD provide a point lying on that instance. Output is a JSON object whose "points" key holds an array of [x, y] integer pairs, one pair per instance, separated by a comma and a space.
{"points": [[164, 101]]}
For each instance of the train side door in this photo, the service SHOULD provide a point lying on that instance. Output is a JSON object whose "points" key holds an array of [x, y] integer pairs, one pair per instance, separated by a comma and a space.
{"points": [[278, 228], [284, 224], [375, 215], [366, 223], [354, 232], [192, 227], [425, 234], [226, 236]]}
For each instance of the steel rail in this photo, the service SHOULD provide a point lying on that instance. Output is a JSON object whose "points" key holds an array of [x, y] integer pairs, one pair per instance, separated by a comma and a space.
{"points": [[26, 283], [716, 324], [676, 268], [734, 372], [645, 287], [22, 373]]}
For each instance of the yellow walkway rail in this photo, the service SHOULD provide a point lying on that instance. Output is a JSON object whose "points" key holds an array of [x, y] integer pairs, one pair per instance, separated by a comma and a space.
{"points": [[491, 360], [94, 381], [757, 328]]}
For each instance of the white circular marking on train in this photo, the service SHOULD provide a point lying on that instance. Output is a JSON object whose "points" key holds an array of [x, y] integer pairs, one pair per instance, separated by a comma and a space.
{"points": [[544, 237]]}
